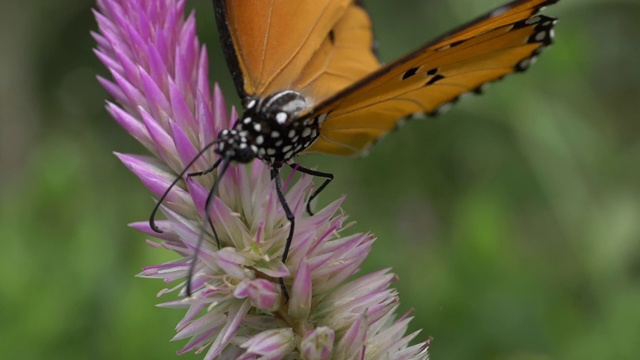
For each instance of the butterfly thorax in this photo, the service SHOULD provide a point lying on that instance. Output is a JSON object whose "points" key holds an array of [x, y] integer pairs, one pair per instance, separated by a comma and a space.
{"points": [[270, 130]]}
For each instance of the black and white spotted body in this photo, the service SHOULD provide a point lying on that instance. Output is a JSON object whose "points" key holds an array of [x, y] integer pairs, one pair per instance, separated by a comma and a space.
{"points": [[270, 130]]}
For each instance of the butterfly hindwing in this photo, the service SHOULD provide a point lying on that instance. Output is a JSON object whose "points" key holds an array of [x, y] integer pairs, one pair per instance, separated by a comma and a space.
{"points": [[504, 41], [315, 47]]}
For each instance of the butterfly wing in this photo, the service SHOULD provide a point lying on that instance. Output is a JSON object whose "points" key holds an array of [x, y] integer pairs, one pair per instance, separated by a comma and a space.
{"points": [[315, 47], [504, 41]]}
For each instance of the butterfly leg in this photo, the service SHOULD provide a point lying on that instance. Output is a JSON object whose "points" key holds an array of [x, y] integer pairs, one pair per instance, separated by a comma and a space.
{"points": [[327, 179], [275, 175], [205, 171], [207, 212]]}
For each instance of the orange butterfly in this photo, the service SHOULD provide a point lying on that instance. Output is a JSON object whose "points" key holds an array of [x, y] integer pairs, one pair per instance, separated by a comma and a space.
{"points": [[310, 81]]}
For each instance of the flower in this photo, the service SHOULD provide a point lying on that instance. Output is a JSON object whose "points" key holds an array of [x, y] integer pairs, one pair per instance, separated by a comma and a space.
{"points": [[159, 80]]}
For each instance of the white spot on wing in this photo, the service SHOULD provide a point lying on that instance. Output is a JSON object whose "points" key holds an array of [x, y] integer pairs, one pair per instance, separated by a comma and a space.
{"points": [[498, 12], [465, 95], [533, 20], [484, 87], [443, 108]]}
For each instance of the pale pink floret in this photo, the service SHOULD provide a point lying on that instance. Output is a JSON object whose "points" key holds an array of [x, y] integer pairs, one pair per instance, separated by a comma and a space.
{"points": [[318, 344], [159, 83]]}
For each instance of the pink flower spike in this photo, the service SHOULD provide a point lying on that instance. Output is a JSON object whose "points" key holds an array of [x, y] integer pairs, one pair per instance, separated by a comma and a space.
{"points": [[159, 81]]}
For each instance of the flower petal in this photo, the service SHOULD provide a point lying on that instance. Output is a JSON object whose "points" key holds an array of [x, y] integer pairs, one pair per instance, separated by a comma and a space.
{"points": [[300, 301], [270, 344], [318, 344], [264, 294]]}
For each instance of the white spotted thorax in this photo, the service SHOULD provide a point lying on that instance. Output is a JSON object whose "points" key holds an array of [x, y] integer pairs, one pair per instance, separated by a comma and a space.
{"points": [[270, 130]]}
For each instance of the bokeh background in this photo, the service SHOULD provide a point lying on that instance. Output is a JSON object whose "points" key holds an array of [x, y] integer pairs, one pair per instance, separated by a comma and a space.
{"points": [[513, 221]]}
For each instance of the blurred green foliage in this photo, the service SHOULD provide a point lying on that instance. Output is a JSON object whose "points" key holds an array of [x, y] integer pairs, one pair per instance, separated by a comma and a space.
{"points": [[513, 221]]}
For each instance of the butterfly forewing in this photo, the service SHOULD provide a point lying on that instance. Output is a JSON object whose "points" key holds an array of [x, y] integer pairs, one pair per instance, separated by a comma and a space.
{"points": [[344, 57], [502, 42], [315, 47]]}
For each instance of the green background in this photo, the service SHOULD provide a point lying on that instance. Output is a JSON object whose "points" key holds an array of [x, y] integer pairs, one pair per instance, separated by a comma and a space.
{"points": [[513, 221]]}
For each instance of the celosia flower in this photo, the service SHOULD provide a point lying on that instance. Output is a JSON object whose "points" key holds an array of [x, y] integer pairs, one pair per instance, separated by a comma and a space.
{"points": [[162, 96]]}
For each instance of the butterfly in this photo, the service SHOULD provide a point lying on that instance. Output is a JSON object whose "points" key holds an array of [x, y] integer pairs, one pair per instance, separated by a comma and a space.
{"points": [[310, 81]]}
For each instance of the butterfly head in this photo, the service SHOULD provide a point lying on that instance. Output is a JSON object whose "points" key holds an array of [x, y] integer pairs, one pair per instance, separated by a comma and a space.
{"points": [[234, 146]]}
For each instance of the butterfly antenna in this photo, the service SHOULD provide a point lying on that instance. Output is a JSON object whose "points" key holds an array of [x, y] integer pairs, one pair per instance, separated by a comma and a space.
{"points": [[152, 218], [207, 212]]}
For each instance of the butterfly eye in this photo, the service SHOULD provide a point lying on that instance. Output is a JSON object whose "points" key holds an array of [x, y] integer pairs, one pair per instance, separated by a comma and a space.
{"points": [[244, 154]]}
